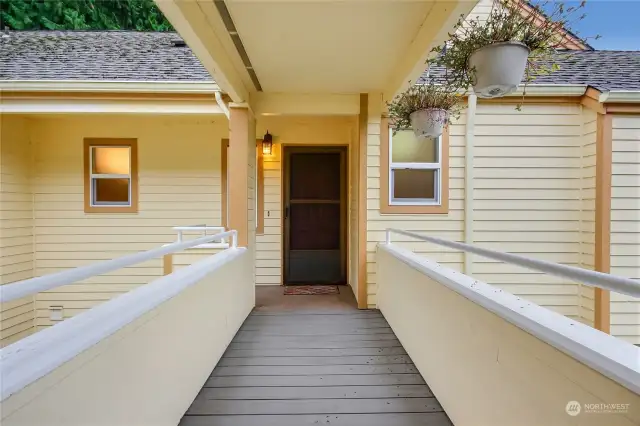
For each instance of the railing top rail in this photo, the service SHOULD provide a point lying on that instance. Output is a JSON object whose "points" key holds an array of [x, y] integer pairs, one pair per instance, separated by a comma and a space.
{"points": [[35, 285], [198, 228], [592, 278], [31, 358]]}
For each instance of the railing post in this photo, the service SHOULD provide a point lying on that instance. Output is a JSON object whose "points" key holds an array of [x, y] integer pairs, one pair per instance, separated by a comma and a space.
{"points": [[167, 264], [388, 236], [179, 236], [234, 239]]}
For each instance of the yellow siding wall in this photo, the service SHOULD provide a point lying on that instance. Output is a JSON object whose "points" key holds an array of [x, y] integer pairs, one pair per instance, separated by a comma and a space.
{"points": [[527, 197], [450, 226], [481, 11], [16, 225], [289, 130], [179, 170], [588, 207], [625, 223], [526, 200]]}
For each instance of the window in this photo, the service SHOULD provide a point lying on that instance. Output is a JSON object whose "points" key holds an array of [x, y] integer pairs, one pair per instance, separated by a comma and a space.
{"points": [[111, 178], [415, 173]]}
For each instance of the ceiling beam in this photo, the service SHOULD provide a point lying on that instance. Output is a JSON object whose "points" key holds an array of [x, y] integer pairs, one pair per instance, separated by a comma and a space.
{"points": [[205, 40], [433, 32], [305, 104]]}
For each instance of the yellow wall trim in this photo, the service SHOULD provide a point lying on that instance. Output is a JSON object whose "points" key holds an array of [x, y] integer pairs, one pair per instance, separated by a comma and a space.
{"points": [[362, 201], [603, 218]]}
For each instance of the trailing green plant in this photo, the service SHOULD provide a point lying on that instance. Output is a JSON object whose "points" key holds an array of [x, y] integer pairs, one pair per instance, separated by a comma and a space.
{"points": [[424, 96], [510, 21]]}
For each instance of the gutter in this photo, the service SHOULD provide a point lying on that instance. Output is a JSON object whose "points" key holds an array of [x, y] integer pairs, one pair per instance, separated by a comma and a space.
{"points": [[620, 96], [221, 104], [552, 90], [107, 86]]}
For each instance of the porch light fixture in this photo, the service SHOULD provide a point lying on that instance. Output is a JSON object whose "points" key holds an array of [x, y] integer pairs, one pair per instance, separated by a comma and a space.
{"points": [[267, 143]]}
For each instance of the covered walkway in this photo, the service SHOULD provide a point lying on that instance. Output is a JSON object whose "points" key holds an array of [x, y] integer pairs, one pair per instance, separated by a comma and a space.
{"points": [[314, 360]]}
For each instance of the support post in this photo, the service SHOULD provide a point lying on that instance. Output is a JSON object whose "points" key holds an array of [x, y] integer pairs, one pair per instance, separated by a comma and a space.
{"points": [[242, 143]]}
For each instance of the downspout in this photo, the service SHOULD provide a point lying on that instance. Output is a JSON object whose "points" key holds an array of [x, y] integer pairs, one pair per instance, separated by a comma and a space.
{"points": [[468, 180], [221, 104]]}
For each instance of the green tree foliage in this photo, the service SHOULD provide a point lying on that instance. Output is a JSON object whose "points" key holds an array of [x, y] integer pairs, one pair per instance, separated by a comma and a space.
{"points": [[139, 15]]}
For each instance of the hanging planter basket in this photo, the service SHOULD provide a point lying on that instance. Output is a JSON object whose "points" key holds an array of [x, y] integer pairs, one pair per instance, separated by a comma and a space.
{"points": [[429, 123], [498, 68]]}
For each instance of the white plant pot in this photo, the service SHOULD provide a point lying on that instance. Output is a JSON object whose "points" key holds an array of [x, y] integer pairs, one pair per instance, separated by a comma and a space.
{"points": [[428, 123], [499, 68]]}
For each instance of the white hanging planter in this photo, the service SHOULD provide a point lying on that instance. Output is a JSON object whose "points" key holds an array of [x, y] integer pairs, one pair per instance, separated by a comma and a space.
{"points": [[429, 123], [499, 68]]}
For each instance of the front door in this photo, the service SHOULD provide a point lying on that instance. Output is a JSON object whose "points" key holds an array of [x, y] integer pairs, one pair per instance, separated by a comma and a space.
{"points": [[315, 214]]}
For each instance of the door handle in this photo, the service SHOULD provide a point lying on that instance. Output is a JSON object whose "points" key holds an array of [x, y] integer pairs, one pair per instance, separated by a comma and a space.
{"points": [[286, 212]]}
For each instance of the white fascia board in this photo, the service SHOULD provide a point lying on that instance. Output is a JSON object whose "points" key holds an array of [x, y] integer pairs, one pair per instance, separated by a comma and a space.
{"points": [[109, 86], [630, 96]]}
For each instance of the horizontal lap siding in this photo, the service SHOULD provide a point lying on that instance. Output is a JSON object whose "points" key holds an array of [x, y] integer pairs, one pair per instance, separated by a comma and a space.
{"points": [[587, 217], [449, 226], [289, 130], [527, 188], [16, 226], [527, 169], [179, 184], [625, 223]]}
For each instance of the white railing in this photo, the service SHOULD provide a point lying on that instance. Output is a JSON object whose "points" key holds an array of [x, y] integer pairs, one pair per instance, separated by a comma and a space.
{"points": [[35, 356], [592, 278], [203, 231], [9, 292], [466, 336]]}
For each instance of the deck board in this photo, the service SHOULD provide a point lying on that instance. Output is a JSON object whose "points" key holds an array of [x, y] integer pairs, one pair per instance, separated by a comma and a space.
{"points": [[306, 368]]}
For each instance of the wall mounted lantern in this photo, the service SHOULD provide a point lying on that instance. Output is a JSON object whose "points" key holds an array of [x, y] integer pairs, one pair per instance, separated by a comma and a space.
{"points": [[267, 143]]}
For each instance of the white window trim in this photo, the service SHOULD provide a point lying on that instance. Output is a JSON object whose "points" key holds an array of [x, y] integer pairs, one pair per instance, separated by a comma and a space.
{"points": [[94, 176], [417, 166]]}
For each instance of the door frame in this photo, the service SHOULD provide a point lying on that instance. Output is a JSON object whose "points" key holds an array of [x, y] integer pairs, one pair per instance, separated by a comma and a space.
{"points": [[344, 199]]}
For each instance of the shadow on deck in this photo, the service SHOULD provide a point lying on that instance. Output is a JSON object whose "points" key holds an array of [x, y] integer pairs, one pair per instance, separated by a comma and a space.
{"points": [[314, 360]]}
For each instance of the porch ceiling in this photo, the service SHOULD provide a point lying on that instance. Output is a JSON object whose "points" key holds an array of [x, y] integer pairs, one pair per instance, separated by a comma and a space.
{"points": [[328, 47], [313, 46]]}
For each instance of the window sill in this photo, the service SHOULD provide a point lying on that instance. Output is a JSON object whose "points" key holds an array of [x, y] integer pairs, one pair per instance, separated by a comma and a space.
{"points": [[416, 209], [108, 210]]}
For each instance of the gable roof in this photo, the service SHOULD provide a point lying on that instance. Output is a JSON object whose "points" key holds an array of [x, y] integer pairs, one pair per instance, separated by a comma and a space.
{"points": [[97, 55], [146, 56]]}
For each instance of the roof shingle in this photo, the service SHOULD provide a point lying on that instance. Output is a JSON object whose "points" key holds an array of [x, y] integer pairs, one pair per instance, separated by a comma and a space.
{"points": [[97, 55], [151, 56]]}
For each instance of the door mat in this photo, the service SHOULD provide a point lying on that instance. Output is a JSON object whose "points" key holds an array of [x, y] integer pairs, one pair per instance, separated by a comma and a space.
{"points": [[310, 290]]}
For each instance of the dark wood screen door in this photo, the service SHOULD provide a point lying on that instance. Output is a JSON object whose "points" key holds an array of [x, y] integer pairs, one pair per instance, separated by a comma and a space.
{"points": [[315, 214]]}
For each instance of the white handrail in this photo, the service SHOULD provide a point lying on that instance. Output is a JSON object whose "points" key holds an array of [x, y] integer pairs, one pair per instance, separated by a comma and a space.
{"points": [[9, 292], [31, 358], [592, 278], [204, 228]]}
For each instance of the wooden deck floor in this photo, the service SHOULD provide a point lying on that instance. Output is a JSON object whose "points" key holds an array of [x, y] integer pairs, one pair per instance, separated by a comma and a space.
{"points": [[298, 368]]}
